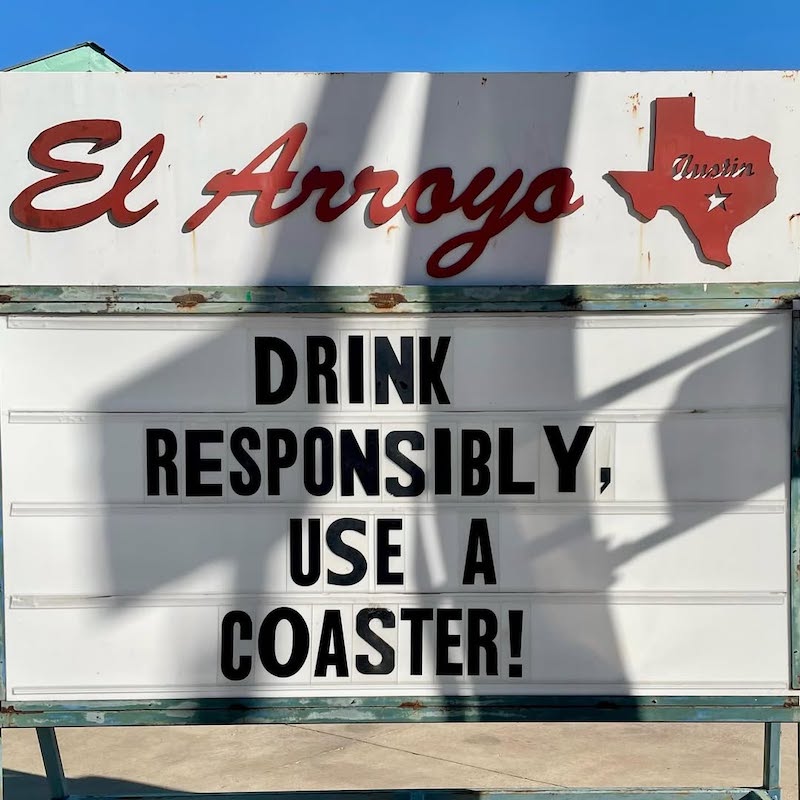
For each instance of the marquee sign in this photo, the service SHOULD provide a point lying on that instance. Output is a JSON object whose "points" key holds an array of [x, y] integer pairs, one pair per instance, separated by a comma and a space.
{"points": [[400, 397], [350, 505], [393, 505]]}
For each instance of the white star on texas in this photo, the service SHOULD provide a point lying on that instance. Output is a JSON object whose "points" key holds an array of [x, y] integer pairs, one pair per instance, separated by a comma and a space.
{"points": [[717, 199]]}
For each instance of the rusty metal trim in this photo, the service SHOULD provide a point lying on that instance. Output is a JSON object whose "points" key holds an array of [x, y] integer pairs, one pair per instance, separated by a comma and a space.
{"points": [[794, 502], [391, 299], [477, 708]]}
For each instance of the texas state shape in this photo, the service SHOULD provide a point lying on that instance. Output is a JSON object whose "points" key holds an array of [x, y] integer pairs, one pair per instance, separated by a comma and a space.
{"points": [[714, 183]]}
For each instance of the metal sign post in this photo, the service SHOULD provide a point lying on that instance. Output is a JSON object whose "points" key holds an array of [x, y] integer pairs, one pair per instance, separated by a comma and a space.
{"points": [[502, 514]]}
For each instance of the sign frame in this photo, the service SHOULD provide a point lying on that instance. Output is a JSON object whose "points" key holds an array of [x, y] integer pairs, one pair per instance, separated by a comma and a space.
{"points": [[771, 710]]}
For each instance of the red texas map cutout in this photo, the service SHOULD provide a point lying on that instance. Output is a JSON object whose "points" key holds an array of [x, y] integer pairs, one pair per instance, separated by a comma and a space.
{"points": [[715, 184]]}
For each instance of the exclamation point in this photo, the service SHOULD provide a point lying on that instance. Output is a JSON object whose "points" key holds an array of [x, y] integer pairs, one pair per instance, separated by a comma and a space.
{"points": [[515, 641]]}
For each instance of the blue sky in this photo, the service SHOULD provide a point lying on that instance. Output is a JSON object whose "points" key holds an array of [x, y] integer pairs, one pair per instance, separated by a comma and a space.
{"points": [[491, 35]]}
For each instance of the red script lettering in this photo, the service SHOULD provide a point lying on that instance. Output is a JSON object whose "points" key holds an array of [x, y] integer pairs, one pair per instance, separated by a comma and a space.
{"points": [[103, 133], [495, 208]]}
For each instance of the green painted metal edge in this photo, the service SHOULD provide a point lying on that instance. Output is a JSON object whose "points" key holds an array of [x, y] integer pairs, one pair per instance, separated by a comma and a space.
{"points": [[794, 503], [771, 773], [479, 708], [391, 299], [51, 759]]}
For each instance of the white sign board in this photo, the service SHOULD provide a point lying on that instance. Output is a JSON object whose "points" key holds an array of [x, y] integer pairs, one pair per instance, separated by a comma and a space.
{"points": [[400, 179], [468, 504]]}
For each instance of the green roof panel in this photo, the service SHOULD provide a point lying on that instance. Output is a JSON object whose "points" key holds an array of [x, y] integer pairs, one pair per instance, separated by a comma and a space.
{"points": [[86, 57]]}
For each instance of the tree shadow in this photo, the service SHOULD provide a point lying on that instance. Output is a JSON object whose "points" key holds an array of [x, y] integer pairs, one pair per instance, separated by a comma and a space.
{"points": [[26, 786], [251, 558]]}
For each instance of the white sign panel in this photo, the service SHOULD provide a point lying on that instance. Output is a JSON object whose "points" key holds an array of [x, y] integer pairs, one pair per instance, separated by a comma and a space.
{"points": [[399, 179], [473, 504]]}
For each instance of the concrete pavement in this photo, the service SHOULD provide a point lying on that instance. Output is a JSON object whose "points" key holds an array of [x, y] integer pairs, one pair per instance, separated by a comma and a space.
{"points": [[480, 755]]}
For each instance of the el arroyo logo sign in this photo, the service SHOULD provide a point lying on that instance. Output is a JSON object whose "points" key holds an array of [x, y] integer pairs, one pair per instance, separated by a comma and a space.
{"points": [[713, 184]]}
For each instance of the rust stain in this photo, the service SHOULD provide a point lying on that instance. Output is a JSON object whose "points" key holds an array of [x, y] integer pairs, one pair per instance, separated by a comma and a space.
{"points": [[641, 246], [635, 101], [200, 120], [386, 300], [790, 74], [390, 229], [189, 300], [5, 298], [794, 216], [221, 77], [483, 81], [415, 705], [791, 702], [573, 301], [194, 254]]}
